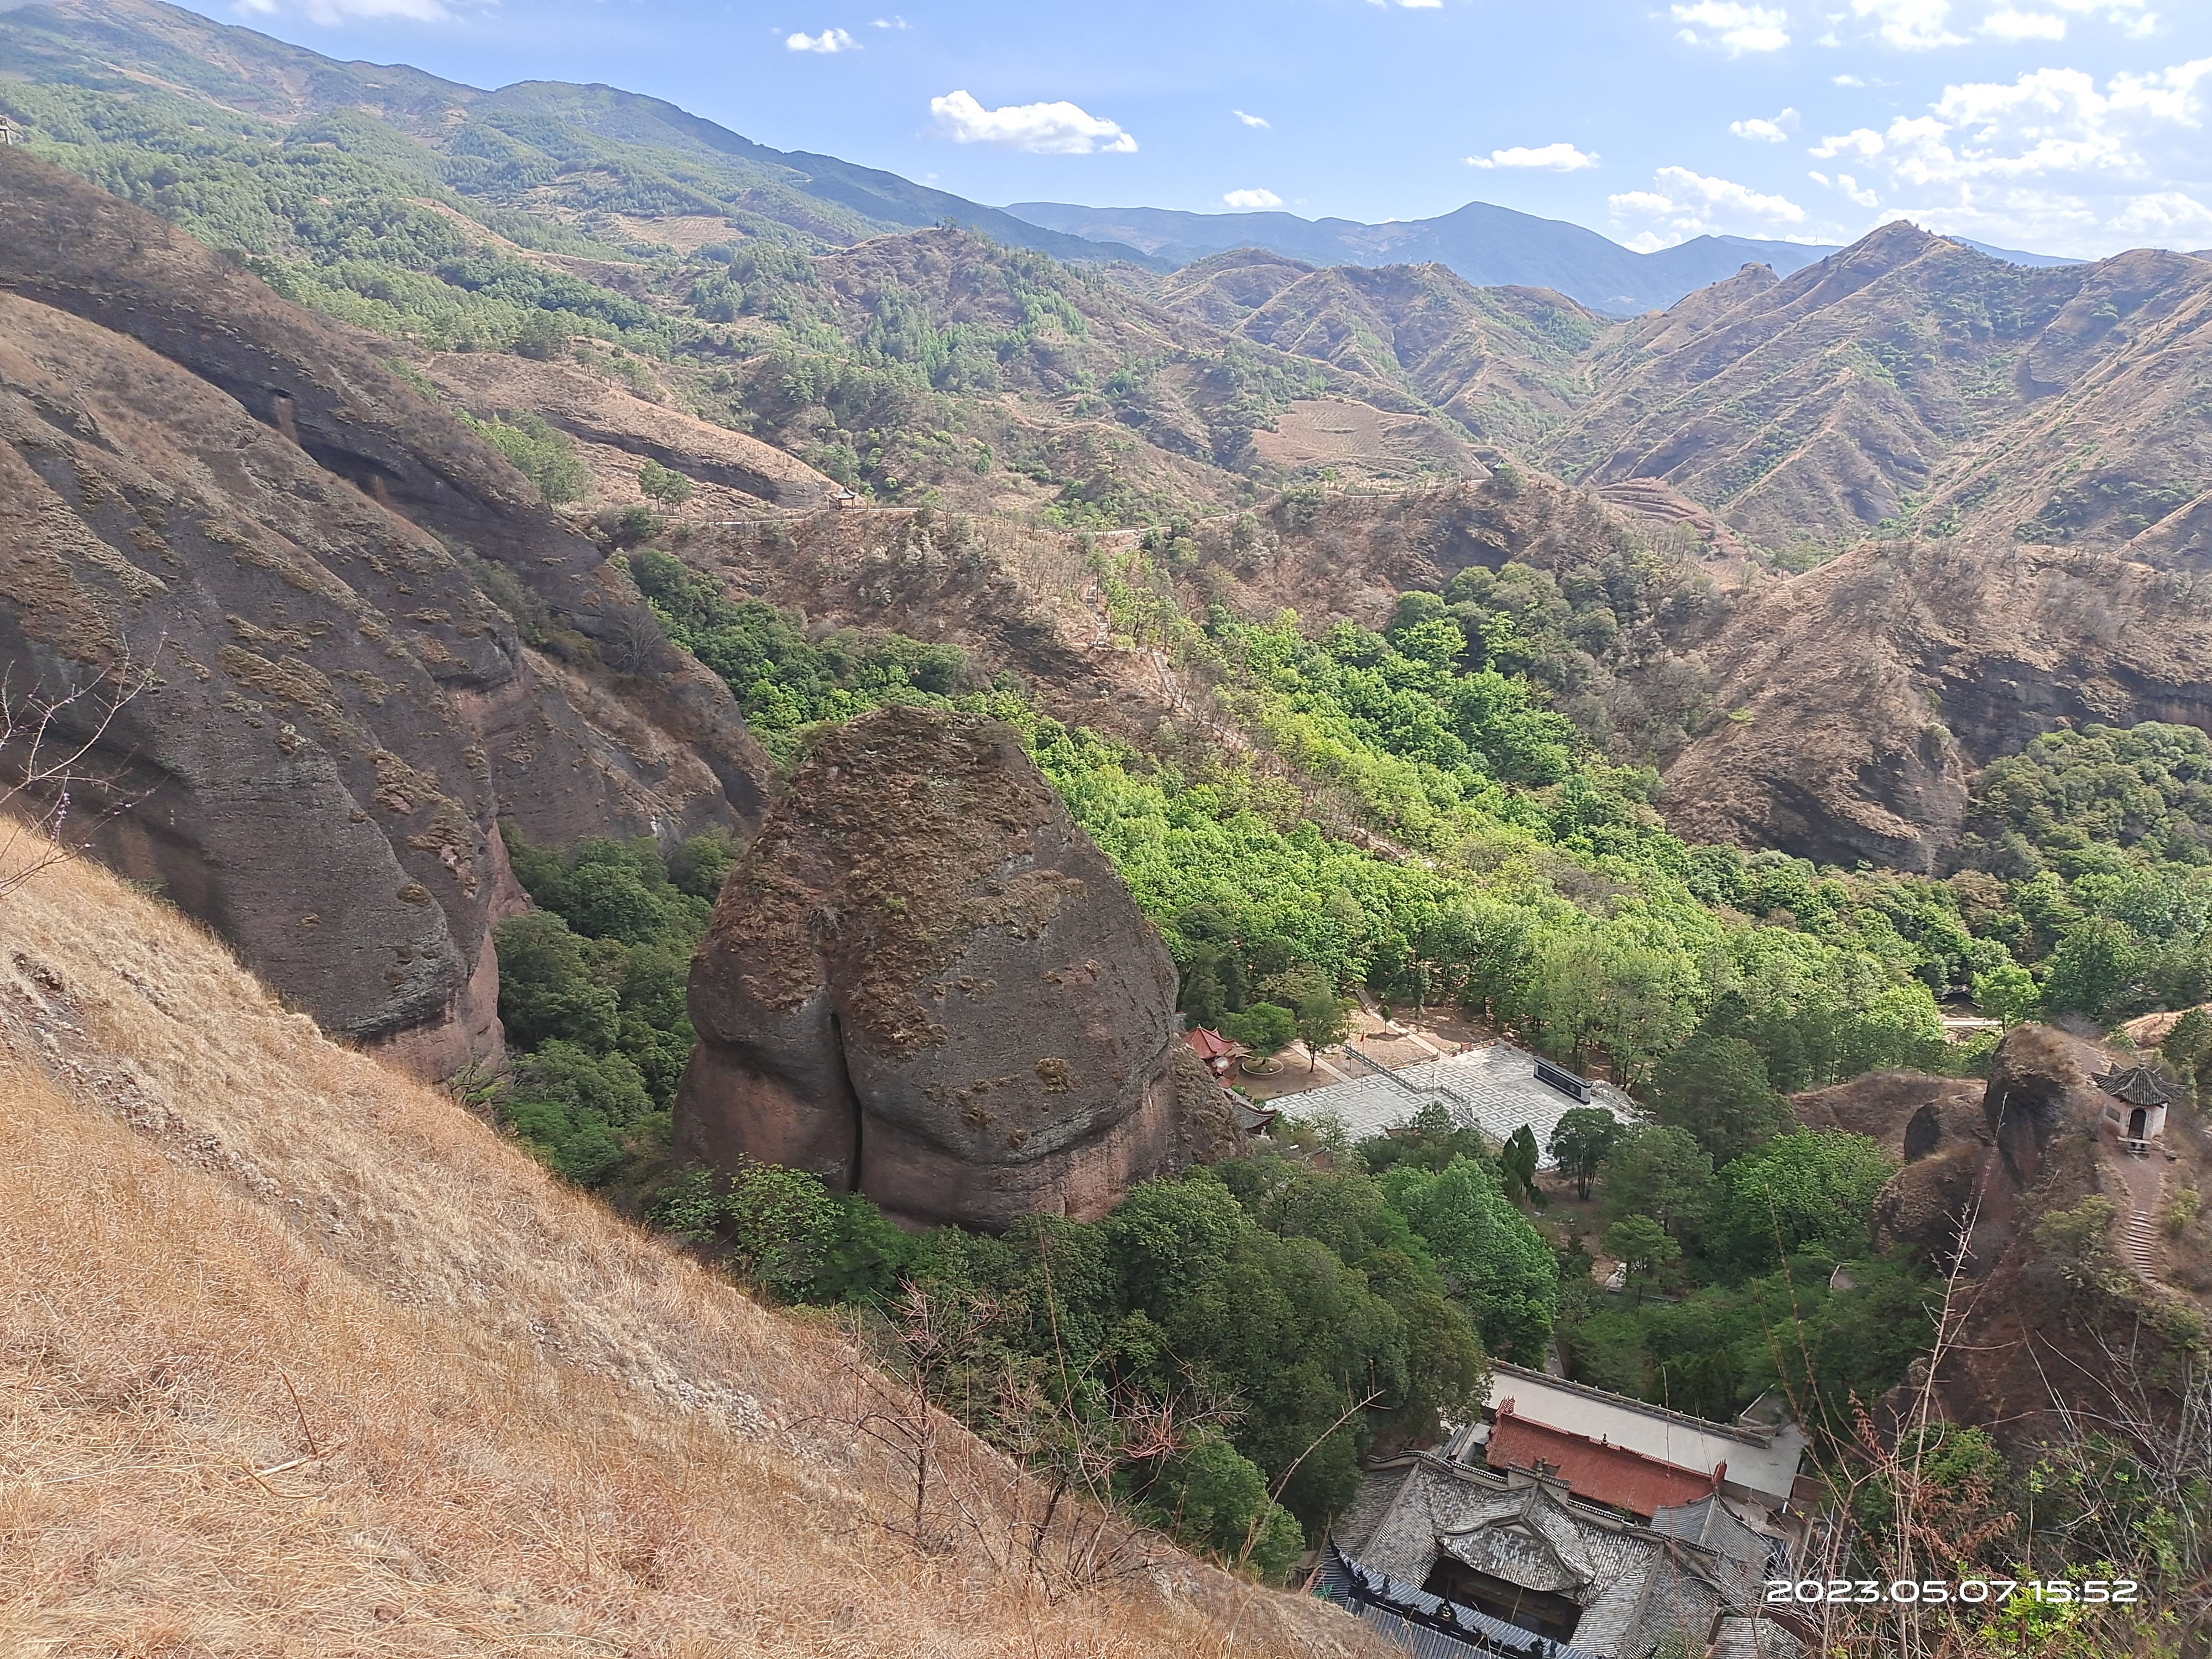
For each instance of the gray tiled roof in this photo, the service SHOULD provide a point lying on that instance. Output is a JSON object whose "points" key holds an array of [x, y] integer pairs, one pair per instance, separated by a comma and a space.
{"points": [[2138, 1085], [1495, 1088]]}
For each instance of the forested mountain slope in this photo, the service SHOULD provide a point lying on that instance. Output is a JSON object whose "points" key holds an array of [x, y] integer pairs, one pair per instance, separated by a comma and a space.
{"points": [[534, 146], [1505, 362], [1480, 243]]}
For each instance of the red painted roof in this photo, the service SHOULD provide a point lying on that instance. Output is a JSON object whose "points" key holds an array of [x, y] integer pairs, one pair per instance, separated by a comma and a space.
{"points": [[1212, 1045], [1604, 1475]]}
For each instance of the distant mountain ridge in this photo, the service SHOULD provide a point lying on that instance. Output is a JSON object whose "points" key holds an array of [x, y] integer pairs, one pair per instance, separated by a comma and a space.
{"points": [[1490, 246], [686, 162]]}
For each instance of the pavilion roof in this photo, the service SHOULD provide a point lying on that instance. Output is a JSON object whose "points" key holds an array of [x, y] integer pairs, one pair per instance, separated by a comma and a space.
{"points": [[2138, 1085]]}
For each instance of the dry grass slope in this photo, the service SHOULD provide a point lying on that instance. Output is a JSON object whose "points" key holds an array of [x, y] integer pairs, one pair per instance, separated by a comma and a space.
{"points": [[298, 1357]]}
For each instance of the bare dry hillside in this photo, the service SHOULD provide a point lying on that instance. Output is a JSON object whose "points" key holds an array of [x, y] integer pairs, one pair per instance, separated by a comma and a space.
{"points": [[301, 1358]]}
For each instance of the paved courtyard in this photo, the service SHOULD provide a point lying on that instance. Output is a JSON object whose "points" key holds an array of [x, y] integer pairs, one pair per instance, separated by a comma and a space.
{"points": [[1494, 1086]]}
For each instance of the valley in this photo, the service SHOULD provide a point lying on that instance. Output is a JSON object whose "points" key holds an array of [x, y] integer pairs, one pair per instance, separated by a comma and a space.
{"points": [[733, 719]]}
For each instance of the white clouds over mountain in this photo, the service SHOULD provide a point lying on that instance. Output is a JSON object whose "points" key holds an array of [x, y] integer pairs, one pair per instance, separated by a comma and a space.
{"points": [[2050, 154], [2047, 121], [1555, 158], [1055, 129], [1695, 204], [828, 40], [1250, 201]]}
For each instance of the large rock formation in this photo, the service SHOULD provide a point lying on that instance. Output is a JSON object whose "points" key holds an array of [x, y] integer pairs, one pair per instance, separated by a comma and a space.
{"points": [[202, 484], [925, 983]]}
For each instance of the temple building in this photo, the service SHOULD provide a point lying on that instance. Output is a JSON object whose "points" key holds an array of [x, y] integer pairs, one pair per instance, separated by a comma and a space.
{"points": [[1221, 1054], [1576, 1524], [2136, 1103]]}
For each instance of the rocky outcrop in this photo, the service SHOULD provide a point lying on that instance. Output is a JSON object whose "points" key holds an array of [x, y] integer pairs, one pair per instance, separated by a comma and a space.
{"points": [[926, 984], [1911, 1114], [1860, 698], [2026, 1317], [587, 407], [1934, 1126], [205, 487]]}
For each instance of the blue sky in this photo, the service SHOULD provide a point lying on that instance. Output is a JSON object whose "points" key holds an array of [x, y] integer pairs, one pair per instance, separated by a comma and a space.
{"points": [[2075, 127]]}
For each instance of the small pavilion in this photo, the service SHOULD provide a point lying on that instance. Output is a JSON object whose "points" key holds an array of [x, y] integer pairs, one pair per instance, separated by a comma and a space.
{"points": [[2135, 1105]]}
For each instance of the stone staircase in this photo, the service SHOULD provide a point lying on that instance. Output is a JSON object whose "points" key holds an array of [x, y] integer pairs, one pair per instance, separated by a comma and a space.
{"points": [[2137, 1244]]}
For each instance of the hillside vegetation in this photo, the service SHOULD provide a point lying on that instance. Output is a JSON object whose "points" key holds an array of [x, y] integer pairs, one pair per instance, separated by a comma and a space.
{"points": [[1909, 384], [299, 1353]]}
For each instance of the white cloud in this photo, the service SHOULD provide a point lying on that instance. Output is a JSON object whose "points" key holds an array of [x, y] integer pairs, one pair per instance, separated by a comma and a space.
{"points": [[2050, 161], [1556, 158], [1848, 80], [2129, 16], [1250, 201], [1250, 120], [2169, 216], [1735, 28], [1911, 25], [1422, 5], [828, 40], [1056, 128], [1725, 198], [328, 14], [1850, 186], [1693, 204], [2047, 121], [891, 22], [1764, 132], [2010, 25]]}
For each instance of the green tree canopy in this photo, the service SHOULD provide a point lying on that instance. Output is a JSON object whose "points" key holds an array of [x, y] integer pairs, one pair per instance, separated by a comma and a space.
{"points": [[1660, 1172], [1265, 1027], [1580, 1142], [1644, 1247], [1716, 1088], [663, 484], [2008, 993], [1811, 1189], [1493, 1261]]}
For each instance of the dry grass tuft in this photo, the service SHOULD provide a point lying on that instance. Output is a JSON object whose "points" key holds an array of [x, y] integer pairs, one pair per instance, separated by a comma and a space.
{"points": [[299, 1358]]}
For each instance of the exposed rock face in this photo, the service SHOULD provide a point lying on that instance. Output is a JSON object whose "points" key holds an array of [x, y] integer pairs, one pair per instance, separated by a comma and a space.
{"points": [[925, 983], [1987, 1178], [1911, 1114], [1935, 1125], [1863, 695], [204, 482], [589, 409]]}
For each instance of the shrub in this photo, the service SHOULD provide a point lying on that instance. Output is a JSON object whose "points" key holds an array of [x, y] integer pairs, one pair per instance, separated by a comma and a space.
{"points": [[579, 1111], [668, 487], [544, 455], [548, 987], [1213, 1497]]}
